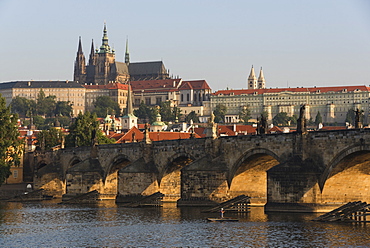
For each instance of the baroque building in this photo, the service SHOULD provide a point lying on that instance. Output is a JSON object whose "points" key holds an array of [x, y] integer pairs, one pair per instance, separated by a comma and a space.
{"points": [[102, 67], [333, 103], [67, 91]]}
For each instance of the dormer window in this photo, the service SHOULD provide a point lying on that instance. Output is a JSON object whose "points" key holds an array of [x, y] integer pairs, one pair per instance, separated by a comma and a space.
{"points": [[344, 90]]}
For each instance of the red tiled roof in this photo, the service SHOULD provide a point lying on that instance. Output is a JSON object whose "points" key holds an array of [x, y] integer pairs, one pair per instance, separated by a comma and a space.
{"points": [[197, 84], [162, 85], [278, 90], [154, 136]]}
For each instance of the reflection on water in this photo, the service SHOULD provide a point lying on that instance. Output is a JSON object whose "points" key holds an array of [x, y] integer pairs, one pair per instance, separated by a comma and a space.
{"points": [[48, 224]]}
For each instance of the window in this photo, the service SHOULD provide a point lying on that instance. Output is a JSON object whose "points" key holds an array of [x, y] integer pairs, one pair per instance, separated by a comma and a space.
{"points": [[148, 101], [15, 174], [158, 100], [187, 97]]}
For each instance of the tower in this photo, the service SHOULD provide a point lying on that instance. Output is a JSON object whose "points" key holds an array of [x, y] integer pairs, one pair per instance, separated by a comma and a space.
{"points": [[104, 59], [252, 80], [90, 68], [261, 80], [129, 120], [80, 66], [127, 55]]}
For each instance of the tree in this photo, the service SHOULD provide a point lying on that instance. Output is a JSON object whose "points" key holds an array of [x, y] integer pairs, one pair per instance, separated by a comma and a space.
{"points": [[10, 145], [318, 118], [45, 105], [244, 115], [350, 117], [64, 121], [169, 113], [192, 116], [105, 105], [293, 120], [219, 113], [22, 106], [84, 129], [49, 138], [63, 108], [166, 111], [281, 119], [145, 113]]}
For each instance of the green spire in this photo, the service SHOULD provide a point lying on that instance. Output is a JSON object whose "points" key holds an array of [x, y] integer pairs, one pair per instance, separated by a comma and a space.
{"points": [[105, 48]]}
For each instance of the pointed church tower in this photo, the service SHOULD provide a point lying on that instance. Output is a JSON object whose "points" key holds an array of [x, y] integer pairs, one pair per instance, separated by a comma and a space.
{"points": [[129, 120], [261, 80], [104, 60], [80, 66], [252, 80], [92, 58], [127, 54], [90, 68]]}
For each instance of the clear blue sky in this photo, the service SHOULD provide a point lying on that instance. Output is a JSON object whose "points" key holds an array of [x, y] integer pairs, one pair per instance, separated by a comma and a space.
{"points": [[298, 43]]}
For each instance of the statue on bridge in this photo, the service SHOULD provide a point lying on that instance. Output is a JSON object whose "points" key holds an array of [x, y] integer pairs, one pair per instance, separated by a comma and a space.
{"points": [[302, 122], [358, 118], [262, 125]]}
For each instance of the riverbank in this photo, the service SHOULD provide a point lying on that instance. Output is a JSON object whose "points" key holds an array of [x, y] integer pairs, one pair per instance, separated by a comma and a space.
{"points": [[8, 191]]}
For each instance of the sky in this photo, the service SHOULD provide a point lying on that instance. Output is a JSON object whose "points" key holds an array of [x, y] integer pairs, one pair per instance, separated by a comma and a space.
{"points": [[297, 43]]}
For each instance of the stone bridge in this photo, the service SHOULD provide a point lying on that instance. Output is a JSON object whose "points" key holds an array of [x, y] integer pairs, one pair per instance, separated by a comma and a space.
{"points": [[310, 172]]}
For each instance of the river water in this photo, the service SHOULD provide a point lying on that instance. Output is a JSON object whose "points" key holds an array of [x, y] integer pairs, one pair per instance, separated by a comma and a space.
{"points": [[48, 224]]}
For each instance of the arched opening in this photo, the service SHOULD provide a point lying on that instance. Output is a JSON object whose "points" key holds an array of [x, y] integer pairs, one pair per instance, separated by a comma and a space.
{"points": [[349, 180], [41, 165], [74, 162], [170, 184], [250, 177], [113, 181]]}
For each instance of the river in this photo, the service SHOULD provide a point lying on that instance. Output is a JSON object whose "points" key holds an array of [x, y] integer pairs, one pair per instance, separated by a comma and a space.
{"points": [[48, 224]]}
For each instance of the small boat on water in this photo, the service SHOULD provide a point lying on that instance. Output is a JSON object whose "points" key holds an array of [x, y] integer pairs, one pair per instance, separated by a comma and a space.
{"points": [[225, 219]]}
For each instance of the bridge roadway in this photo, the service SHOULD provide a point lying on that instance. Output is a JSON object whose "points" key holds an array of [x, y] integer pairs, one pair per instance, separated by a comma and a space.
{"points": [[309, 172]]}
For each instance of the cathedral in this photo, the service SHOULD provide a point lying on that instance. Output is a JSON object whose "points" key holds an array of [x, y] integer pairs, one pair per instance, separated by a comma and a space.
{"points": [[102, 67]]}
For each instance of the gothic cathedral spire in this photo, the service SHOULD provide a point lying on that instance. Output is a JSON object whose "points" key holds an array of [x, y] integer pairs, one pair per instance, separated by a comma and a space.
{"points": [[80, 66], [127, 54], [92, 58]]}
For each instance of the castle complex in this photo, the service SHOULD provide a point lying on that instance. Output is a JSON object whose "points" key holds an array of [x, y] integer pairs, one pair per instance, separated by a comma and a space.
{"points": [[150, 83], [102, 67]]}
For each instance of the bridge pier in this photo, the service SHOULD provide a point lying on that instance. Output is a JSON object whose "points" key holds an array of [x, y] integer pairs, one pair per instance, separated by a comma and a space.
{"points": [[293, 186], [204, 183]]}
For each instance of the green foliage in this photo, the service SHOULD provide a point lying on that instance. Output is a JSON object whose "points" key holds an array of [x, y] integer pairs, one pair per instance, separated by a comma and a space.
{"points": [[169, 113], [318, 118], [38, 121], [192, 116], [281, 119], [10, 145], [104, 105], [83, 130], [45, 105], [63, 108], [64, 121], [220, 112], [293, 120], [350, 117], [22, 106], [244, 115], [145, 114], [49, 138]]}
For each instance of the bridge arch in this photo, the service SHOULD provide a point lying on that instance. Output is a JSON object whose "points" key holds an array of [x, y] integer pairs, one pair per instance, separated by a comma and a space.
{"points": [[344, 178], [169, 180], [112, 180], [248, 175], [73, 161]]}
